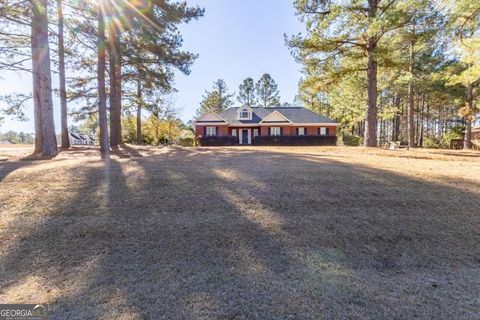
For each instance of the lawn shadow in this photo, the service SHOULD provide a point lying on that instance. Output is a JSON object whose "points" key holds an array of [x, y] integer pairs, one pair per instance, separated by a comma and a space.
{"points": [[9, 166], [243, 234]]}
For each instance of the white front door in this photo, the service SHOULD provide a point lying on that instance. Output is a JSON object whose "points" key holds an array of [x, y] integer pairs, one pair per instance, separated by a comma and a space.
{"points": [[245, 136]]}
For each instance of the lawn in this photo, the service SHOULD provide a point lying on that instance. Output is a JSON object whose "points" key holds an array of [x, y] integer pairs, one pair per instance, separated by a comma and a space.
{"points": [[243, 233]]}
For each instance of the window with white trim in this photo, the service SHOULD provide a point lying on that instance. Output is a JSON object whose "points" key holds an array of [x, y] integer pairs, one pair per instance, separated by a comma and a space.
{"points": [[211, 131], [255, 132], [244, 114], [234, 132], [323, 131], [301, 131], [275, 131]]}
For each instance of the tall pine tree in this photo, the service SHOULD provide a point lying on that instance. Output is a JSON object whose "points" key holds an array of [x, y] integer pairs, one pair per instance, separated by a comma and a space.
{"points": [[246, 92], [217, 100], [345, 37], [267, 91]]}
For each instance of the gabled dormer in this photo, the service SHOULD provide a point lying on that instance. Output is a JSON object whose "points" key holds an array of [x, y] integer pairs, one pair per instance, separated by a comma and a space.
{"points": [[244, 113]]}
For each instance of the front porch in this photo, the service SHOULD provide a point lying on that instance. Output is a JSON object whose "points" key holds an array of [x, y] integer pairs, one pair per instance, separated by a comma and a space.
{"points": [[245, 138]]}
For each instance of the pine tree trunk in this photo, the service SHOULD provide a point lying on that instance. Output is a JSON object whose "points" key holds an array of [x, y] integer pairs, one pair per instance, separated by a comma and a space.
{"points": [[118, 92], [139, 112], [102, 96], [37, 112], [371, 120], [42, 80], [112, 94], [115, 88], [422, 120], [467, 142], [396, 129], [411, 105], [61, 71]]}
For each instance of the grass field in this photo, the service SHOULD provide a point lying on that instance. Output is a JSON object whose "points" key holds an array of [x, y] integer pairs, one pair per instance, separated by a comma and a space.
{"points": [[243, 233]]}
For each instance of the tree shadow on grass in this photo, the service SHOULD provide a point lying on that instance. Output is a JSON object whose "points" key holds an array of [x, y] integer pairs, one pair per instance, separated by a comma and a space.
{"points": [[244, 235]]}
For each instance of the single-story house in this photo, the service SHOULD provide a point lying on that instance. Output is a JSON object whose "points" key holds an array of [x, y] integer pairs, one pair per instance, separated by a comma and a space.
{"points": [[265, 126], [81, 139]]}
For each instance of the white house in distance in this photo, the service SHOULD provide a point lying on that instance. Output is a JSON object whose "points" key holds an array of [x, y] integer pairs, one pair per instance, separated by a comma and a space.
{"points": [[79, 139]]}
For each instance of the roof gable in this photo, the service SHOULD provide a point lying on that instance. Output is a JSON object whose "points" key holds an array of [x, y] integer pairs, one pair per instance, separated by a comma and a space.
{"points": [[211, 117], [275, 117], [245, 106]]}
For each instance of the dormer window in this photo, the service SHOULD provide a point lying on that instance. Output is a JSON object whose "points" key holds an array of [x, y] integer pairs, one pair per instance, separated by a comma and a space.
{"points": [[245, 113]]}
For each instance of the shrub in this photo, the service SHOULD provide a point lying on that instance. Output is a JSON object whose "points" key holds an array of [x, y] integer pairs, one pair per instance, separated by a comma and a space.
{"points": [[351, 140], [434, 143], [443, 142], [187, 142]]}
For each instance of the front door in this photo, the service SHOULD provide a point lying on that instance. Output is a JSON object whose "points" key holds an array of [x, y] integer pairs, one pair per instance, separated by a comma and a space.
{"points": [[245, 136]]}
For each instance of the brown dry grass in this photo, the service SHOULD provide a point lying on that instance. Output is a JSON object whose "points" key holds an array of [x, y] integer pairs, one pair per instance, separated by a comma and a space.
{"points": [[243, 233]]}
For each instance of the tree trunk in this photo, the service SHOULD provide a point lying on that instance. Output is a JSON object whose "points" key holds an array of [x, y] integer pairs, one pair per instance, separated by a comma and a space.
{"points": [[115, 88], [61, 71], [118, 92], [139, 112], [102, 96], [112, 95], [422, 120], [371, 119], [42, 81], [467, 142], [396, 128], [411, 105], [37, 112]]}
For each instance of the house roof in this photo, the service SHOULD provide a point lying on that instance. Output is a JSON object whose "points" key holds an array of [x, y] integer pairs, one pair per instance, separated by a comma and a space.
{"points": [[294, 114], [81, 136]]}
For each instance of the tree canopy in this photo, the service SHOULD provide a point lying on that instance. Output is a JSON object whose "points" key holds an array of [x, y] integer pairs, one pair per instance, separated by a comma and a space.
{"points": [[267, 91], [217, 100]]}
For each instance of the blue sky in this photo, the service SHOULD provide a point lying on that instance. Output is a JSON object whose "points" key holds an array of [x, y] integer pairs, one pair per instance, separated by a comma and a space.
{"points": [[234, 40]]}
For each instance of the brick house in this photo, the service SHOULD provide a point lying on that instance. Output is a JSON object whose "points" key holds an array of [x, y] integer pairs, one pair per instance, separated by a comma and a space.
{"points": [[265, 126]]}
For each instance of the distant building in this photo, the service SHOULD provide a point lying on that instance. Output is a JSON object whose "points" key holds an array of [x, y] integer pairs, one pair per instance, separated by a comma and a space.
{"points": [[79, 139], [476, 137]]}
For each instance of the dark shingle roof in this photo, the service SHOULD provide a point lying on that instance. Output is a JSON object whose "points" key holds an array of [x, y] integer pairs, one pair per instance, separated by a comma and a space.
{"points": [[294, 114]]}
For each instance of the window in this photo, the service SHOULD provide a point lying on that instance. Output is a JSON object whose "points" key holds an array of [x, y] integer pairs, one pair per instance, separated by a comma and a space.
{"points": [[301, 131], [255, 132], [244, 114], [234, 132], [323, 131], [275, 131], [211, 131]]}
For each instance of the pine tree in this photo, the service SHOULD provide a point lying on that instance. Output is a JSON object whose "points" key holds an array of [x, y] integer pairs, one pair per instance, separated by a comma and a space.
{"points": [[465, 23], [24, 24], [246, 92], [267, 91], [217, 100], [344, 37]]}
